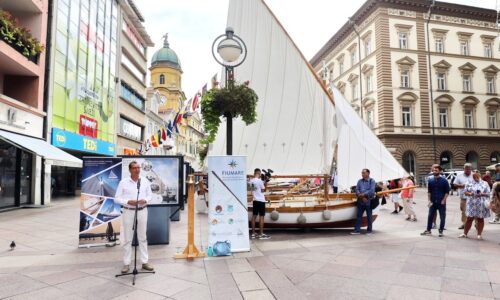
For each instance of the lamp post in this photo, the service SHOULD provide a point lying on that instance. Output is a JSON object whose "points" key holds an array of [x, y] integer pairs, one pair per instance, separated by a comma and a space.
{"points": [[431, 95], [359, 64], [232, 52]]}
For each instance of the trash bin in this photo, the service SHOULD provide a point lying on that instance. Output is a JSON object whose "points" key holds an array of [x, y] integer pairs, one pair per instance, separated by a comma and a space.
{"points": [[158, 230]]}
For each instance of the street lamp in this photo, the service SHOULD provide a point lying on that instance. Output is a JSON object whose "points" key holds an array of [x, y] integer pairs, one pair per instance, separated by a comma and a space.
{"points": [[431, 95], [232, 52], [359, 64]]}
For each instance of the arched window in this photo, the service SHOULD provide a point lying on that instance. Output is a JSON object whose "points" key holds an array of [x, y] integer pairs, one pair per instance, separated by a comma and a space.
{"points": [[473, 158], [446, 160], [409, 162], [162, 79], [495, 157]]}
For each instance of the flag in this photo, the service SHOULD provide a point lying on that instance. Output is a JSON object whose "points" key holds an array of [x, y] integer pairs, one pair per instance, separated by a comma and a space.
{"points": [[195, 101], [214, 81], [154, 142], [186, 113], [203, 90], [159, 137], [178, 118], [169, 129], [163, 133]]}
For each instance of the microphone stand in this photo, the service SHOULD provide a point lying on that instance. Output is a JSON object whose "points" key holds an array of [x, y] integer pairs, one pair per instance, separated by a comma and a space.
{"points": [[135, 240]]}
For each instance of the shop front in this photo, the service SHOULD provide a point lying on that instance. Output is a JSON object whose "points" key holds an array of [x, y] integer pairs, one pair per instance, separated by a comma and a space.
{"points": [[22, 159]]}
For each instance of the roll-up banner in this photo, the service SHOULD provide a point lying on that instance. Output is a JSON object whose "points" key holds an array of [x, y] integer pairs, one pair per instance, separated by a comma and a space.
{"points": [[228, 208], [99, 214]]}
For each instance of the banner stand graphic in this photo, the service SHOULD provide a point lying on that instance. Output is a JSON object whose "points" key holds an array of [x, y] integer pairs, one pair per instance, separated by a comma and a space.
{"points": [[228, 207], [100, 216]]}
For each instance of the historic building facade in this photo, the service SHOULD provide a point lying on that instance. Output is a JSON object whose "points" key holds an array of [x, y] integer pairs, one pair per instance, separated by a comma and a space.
{"points": [[450, 119]]}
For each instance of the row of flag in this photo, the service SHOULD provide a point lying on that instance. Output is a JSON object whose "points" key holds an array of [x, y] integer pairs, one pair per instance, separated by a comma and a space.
{"points": [[187, 109]]}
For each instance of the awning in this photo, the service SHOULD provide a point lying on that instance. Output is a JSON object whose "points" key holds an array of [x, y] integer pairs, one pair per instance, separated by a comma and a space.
{"points": [[53, 155]]}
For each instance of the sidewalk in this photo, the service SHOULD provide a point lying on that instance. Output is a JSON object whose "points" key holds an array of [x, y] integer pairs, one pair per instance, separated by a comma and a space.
{"points": [[395, 262]]}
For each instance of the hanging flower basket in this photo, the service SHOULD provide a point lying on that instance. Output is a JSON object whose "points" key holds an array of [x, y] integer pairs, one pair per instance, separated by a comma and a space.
{"points": [[237, 100]]}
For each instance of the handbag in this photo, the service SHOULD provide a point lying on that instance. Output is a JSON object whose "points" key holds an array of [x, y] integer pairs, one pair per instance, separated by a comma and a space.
{"points": [[374, 203], [222, 248]]}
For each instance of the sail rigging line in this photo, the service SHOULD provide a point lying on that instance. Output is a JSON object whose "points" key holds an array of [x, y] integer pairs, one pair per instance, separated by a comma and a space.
{"points": [[281, 102], [330, 97], [267, 91], [297, 110]]}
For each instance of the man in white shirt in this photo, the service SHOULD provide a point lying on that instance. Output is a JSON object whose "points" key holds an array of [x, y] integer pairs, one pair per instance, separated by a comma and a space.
{"points": [[126, 195], [460, 182], [259, 204]]}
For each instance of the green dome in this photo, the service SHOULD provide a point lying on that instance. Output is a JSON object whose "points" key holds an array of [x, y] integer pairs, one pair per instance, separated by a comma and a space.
{"points": [[166, 56]]}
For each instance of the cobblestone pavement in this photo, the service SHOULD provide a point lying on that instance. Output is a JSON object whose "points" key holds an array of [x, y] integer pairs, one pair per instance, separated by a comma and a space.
{"points": [[395, 262]]}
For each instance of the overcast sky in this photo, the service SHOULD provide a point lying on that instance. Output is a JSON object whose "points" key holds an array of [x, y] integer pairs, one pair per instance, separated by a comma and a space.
{"points": [[192, 26]]}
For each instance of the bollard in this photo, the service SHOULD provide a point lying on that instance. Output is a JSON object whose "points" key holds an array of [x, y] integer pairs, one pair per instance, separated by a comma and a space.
{"points": [[190, 252]]}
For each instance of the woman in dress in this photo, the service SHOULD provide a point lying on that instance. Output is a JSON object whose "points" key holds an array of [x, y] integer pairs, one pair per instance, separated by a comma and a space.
{"points": [[476, 191], [407, 196]]}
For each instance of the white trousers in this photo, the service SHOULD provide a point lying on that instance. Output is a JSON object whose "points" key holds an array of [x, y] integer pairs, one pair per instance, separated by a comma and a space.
{"points": [[127, 235]]}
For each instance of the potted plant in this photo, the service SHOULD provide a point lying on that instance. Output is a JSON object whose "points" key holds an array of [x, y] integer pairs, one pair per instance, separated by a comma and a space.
{"points": [[237, 100]]}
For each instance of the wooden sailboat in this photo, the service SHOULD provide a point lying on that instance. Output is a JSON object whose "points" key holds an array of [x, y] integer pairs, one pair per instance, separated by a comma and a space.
{"points": [[301, 127]]}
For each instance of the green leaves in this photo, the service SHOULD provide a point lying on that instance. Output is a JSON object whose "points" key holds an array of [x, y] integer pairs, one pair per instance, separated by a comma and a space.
{"points": [[238, 100]]}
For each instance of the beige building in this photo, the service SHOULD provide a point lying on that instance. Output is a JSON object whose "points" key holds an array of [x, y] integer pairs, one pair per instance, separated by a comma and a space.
{"points": [[455, 121], [132, 55]]}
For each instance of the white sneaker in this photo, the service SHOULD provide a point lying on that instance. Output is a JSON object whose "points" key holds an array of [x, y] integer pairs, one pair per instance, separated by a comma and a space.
{"points": [[479, 237], [494, 221]]}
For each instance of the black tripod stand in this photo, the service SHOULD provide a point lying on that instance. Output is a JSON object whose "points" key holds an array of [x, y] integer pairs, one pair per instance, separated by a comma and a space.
{"points": [[135, 240]]}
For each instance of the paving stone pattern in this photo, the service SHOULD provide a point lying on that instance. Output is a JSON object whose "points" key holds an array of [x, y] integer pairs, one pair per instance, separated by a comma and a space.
{"points": [[394, 263]]}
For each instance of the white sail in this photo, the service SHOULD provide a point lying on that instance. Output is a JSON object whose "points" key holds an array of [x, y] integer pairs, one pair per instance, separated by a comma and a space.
{"points": [[295, 130], [359, 147]]}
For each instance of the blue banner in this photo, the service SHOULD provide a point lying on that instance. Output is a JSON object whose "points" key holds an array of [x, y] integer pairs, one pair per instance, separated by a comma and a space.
{"points": [[73, 141]]}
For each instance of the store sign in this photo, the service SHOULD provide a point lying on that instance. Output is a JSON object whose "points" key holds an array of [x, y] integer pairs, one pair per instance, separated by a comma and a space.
{"points": [[73, 141], [228, 212], [130, 130], [88, 126]]}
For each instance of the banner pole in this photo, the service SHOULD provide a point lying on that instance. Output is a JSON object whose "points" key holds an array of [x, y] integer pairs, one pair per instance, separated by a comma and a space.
{"points": [[190, 252]]}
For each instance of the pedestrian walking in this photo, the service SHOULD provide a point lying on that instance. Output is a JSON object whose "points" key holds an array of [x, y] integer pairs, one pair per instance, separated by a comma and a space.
{"points": [[394, 184], [437, 191], [477, 192], [407, 196], [365, 192], [460, 183]]}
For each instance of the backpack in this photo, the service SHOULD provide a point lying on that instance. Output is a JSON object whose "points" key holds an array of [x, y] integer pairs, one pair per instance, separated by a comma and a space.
{"points": [[375, 201]]}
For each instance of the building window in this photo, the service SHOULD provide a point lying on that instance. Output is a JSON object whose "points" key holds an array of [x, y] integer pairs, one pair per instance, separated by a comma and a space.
{"points": [[409, 162], [353, 57], [131, 96], [466, 81], [405, 78], [133, 68], [354, 90], [369, 118], [130, 130], [341, 67], [443, 117], [369, 83], [464, 47], [495, 157], [469, 118], [162, 79], [403, 40], [439, 45], [406, 116], [441, 80], [472, 158], [368, 47], [492, 120], [490, 85], [446, 160], [487, 50]]}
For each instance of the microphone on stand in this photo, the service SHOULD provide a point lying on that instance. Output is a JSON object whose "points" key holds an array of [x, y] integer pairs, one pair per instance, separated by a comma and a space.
{"points": [[139, 183]]}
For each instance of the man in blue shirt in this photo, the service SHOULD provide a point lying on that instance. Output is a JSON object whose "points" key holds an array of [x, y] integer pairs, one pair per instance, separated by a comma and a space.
{"points": [[437, 191], [365, 192]]}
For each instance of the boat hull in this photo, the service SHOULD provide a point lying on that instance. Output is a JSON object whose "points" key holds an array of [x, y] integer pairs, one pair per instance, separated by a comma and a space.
{"points": [[342, 216]]}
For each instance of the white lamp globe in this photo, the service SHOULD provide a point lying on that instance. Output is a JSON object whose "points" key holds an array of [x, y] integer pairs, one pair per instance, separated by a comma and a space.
{"points": [[229, 49]]}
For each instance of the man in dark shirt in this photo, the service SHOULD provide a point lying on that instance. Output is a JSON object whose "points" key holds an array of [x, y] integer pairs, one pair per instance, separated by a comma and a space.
{"points": [[437, 189], [365, 192]]}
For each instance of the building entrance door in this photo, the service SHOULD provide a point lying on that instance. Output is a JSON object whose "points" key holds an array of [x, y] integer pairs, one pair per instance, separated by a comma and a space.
{"points": [[7, 175]]}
